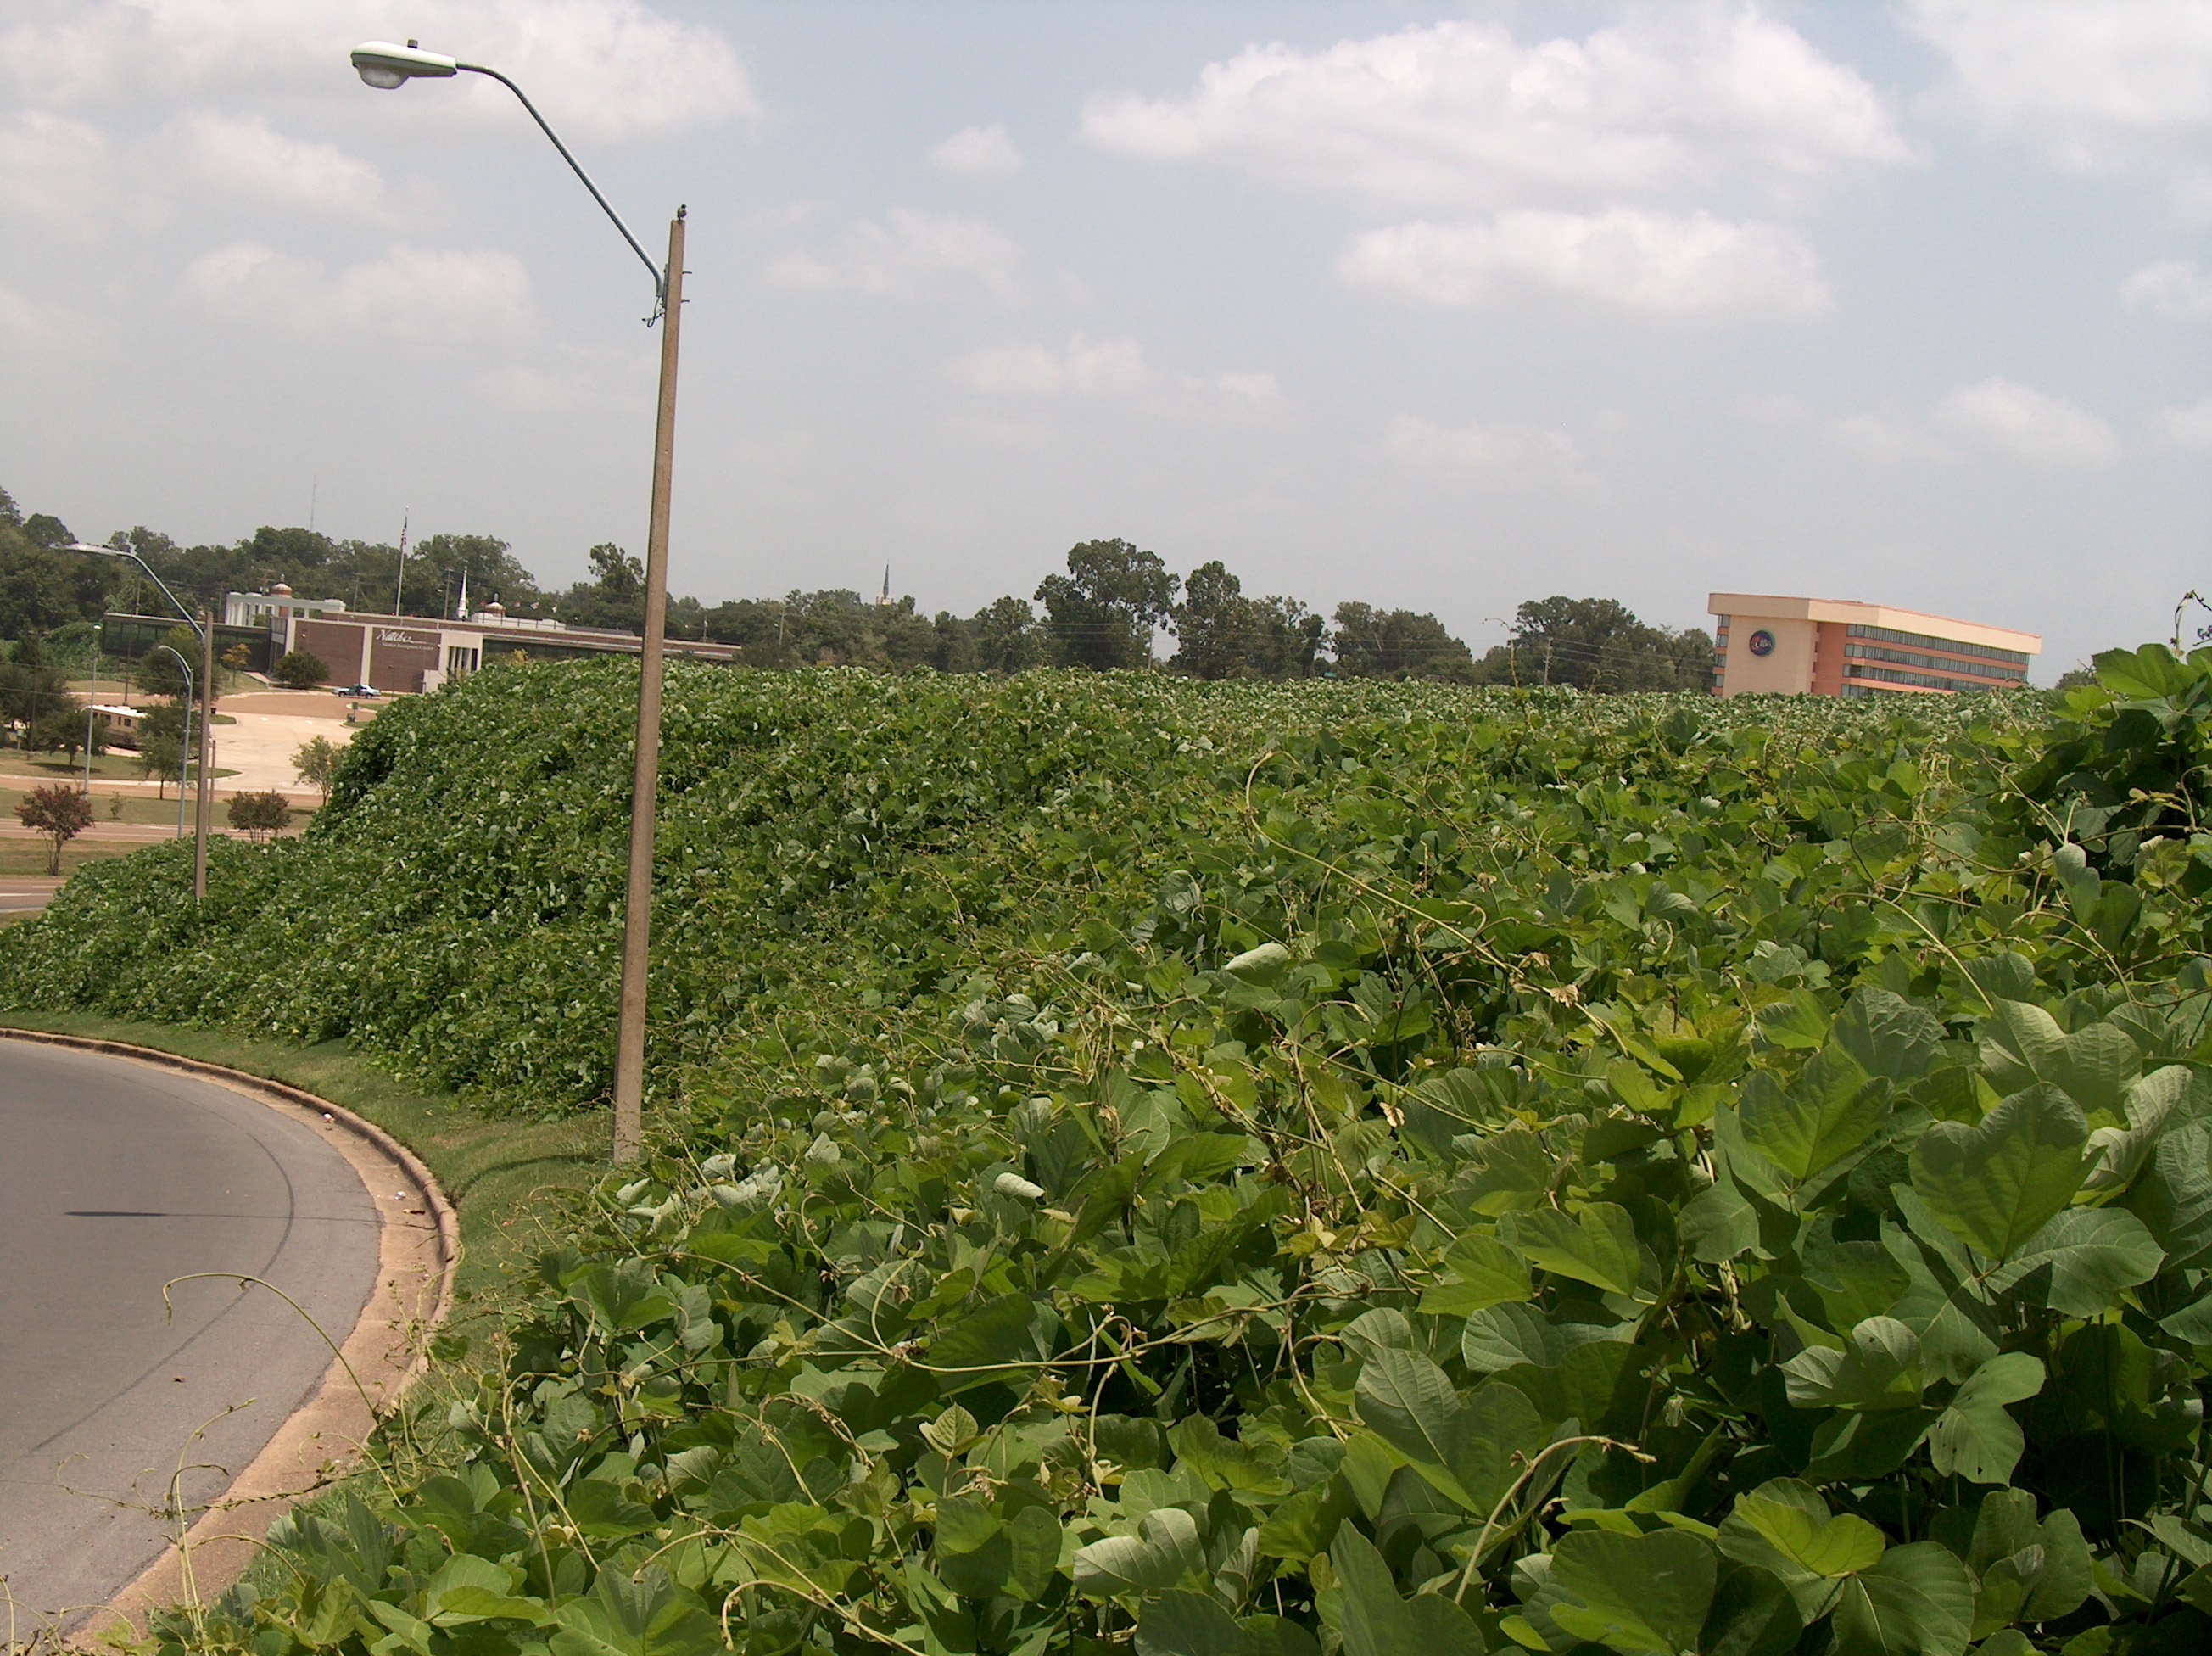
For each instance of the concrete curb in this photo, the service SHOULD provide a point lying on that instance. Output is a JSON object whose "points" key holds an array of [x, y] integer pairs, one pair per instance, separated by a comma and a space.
{"points": [[383, 1354]]}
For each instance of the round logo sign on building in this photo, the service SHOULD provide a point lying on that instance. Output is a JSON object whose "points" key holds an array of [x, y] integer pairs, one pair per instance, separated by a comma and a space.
{"points": [[1761, 642]]}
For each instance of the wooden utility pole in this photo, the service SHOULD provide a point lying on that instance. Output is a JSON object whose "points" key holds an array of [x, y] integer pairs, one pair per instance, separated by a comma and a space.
{"points": [[637, 912], [207, 779]]}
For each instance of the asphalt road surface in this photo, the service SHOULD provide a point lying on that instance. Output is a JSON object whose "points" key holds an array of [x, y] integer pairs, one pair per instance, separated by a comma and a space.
{"points": [[115, 1177], [24, 896]]}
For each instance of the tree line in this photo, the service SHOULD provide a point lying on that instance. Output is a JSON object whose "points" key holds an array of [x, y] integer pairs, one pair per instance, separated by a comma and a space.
{"points": [[1104, 610]]}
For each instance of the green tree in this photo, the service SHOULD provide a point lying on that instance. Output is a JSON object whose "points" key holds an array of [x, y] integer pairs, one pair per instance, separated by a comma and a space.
{"points": [[1598, 644], [162, 759], [316, 764], [30, 684], [1101, 613], [60, 812], [60, 728], [1372, 643], [1003, 636], [299, 669], [619, 573], [1222, 634], [157, 672], [258, 815]]}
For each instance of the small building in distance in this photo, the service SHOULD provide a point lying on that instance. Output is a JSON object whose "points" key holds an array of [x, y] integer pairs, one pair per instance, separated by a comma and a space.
{"points": [[1765, 645]]}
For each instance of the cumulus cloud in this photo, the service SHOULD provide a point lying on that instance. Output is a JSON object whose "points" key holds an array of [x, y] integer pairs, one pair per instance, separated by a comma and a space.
{"points": [[1461, 112], [1083, 367], [2120, 86], [1997, 419], [2188, 427], [602, 69], [979, 152], [245, 155], [2003, 417], [51, 167], [416, 294], [2173, 288], [907, 253], [1638, 261], [1118, 370], [1504, 454]]}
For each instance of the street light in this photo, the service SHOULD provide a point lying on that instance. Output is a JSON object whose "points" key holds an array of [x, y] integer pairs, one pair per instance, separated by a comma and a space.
{"points": [[185, 742], [385, 66], [204, 804]]}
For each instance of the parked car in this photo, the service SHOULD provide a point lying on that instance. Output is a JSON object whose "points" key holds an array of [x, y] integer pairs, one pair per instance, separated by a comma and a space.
{"points": [[365, 691]]}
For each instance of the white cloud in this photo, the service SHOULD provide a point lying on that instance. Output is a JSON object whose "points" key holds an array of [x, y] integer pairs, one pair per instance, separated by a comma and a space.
{"points": [[247, 155], [2173, 288], [603, 69], [907, 253], [1639, 261], [1773, 408], [2004, 417], [1084, 368], [978, 151], [1461, 112], [1508, 454], [1117, 370], [1889, 439], [51, 166], [419, 296], [2114, 86], [2188, 427], [1996, 417]]}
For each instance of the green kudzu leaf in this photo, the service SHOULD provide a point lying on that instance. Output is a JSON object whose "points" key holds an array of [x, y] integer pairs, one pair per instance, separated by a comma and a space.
{"points": [[1753, 1615], [1376, 1622], [1917, 1601], [1974, 1438], [1500, 1336], [1646, 1595], [1183, 1624], [1166, 1548], [1878, 1368], [2029, 1571], [1411, 1405], [646, 1616], [2117, 1153], [1598, 1245], [1888, 1035], [1785, 1527], [2080, 1263], [1995, 1184], [1826, 1114], [1481, 1272], [2022, 1044], [1467, 1451]]}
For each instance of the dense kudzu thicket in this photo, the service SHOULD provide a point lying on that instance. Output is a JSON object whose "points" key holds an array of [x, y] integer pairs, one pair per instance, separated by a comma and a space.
{"points": [[1242, 1172]]}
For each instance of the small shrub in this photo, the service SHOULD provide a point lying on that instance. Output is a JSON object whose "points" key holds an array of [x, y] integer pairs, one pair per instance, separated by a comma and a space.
{"points": [[260, 815], [298, 669]]}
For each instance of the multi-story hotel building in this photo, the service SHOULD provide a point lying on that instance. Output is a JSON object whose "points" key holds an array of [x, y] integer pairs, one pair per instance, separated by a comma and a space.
{"points": [[1830, 647]]}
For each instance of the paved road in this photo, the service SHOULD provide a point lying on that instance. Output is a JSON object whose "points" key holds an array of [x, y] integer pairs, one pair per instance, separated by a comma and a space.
{"points": [[115, 1177], [25, 896]]}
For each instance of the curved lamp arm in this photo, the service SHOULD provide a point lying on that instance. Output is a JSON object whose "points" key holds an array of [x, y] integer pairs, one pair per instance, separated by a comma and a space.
{"points": [[117, 551], [384, 65]]}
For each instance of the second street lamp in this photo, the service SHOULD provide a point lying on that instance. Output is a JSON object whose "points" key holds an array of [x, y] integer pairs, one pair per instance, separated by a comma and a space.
{"points": [[204, 628], [385, 66]]}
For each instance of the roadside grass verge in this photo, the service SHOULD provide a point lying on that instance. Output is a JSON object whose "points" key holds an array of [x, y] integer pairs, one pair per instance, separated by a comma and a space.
{"points": [[512, 1181]]}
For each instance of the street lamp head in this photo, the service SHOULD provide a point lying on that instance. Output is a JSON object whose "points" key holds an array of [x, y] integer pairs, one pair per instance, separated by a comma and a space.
{"points": [[87, 547], [382, 64]]}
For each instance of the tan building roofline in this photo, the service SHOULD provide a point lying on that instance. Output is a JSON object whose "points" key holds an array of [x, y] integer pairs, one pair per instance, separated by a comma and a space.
{"points": [[1766, 607]]}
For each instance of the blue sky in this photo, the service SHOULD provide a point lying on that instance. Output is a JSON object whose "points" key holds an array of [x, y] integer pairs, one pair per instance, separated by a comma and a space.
{"points": [[1445, 306]]}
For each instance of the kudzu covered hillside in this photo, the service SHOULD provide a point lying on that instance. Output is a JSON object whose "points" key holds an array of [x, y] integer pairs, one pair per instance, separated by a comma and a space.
{"points": [[1248, 1171]]}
